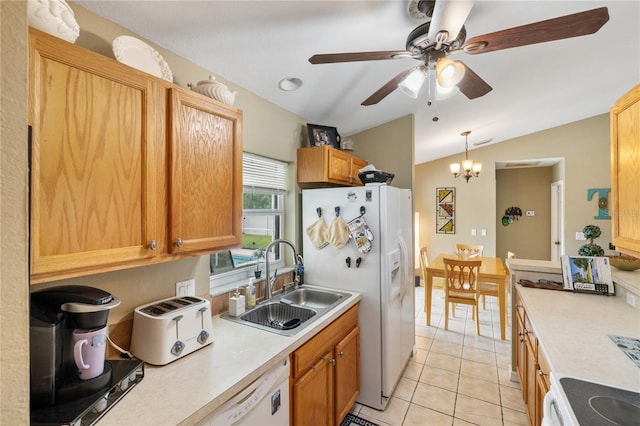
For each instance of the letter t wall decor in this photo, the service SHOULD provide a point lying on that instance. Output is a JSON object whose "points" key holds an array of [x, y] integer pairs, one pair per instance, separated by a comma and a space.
{"points": [[445, 210]]}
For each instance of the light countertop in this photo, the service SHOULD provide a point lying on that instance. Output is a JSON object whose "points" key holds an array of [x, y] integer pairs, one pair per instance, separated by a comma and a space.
{"points": [[186, 390], [573, 331]]}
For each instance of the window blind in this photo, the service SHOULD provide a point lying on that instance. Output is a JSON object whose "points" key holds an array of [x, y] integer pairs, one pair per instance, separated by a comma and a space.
{"points": [[263, 175]]}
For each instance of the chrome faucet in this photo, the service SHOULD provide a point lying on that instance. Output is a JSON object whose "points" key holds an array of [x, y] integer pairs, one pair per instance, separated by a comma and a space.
{"points": [[271, 280]]}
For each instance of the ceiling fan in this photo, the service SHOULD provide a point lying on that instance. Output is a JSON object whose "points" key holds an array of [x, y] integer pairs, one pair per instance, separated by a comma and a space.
{"points": [[444, 34]]}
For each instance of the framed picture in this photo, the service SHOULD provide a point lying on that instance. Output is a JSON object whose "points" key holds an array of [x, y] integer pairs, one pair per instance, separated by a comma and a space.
{"points": [[445, 210], [323, 135]]}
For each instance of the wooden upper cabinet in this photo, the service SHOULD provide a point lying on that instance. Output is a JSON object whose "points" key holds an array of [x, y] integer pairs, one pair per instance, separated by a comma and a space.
{"points": [[124, 165], [321, 166], [94, 159], [625, 173], [206, 173]]}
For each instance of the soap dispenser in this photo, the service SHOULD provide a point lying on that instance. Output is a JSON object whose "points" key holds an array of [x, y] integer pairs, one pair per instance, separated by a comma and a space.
{"points": [[251, 293], [236, 304]]}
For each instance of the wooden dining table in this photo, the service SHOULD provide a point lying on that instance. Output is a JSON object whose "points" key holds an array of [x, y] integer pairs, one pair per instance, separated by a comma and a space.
{"points": [[492, 270]]}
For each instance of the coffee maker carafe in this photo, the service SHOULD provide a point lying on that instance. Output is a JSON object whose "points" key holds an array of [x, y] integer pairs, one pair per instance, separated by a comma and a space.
{"points": [[56, 313]]}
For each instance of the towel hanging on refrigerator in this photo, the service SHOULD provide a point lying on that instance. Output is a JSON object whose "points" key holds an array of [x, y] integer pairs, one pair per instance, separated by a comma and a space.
{"points": [[317, 231], [338, 232], [361, 233]]}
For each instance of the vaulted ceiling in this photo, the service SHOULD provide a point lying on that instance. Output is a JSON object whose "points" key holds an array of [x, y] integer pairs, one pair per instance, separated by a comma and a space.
{"points": [[255, 44]]}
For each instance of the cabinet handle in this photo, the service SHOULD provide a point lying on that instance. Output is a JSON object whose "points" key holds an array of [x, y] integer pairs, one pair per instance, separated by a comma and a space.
{"points": [[323, 358], [332, 362], [541, 373], [153, 245], [314, 368], [179, 243], [340, 354]]}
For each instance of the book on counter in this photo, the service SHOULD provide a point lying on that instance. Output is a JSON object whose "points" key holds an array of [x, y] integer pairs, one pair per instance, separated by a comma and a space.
{"points": [[587, 274]]}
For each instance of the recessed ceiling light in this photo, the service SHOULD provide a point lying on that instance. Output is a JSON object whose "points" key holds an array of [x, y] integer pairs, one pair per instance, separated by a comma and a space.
{"points": [[289, 83]]}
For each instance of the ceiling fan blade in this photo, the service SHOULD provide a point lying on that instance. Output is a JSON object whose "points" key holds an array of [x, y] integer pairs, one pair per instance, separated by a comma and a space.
{"points": [[472, 85], [385, 90], [449, 16], [330, 58], [577, 24]]}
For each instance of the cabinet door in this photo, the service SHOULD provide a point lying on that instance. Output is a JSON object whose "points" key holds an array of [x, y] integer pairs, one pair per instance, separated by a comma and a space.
{"points": [[313, 395], [347, 373], [93, 175], [625, 158], [531, 373], [356, 165], [521, 356], [339, 166], [205, 173]]}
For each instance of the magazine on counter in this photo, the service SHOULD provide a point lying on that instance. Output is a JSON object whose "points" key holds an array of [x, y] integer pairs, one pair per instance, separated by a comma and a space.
{"points": [[587, 274]]}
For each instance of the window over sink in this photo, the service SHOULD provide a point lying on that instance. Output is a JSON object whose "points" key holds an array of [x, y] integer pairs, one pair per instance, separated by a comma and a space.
{"points": [[264, 182]]}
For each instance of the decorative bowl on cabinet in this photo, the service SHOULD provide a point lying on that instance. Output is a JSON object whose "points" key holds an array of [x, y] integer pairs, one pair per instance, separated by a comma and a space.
{"points": [[215, 90], [54, 17]]}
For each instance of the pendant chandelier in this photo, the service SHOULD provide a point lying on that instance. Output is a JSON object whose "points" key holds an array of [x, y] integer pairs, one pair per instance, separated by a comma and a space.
{"points": [[469, 169]]}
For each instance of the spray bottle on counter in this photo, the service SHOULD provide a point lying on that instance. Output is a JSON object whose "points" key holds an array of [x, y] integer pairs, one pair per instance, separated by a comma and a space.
{"points": [[251, 293]]}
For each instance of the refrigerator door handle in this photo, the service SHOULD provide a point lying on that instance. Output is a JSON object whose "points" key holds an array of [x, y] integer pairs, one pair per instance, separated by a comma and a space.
{"points": [[404, 266]]}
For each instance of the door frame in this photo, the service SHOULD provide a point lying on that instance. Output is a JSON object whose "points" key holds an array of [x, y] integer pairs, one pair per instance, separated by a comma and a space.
{"points": [[557, 220]]}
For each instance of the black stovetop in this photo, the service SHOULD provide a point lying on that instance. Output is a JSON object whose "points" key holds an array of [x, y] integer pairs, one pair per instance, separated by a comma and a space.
{"points": [[125, 374], [594, 404]]}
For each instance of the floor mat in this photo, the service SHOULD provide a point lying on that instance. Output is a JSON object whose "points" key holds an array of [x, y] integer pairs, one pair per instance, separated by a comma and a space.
{"points": [[353, 420]]}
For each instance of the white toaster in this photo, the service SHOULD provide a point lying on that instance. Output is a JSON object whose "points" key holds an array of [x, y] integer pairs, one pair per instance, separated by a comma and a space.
{"points": [[168, 329]]}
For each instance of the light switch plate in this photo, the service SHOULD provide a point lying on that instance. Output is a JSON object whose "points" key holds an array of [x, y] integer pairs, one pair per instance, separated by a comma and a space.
{"points": [[186, 288], [531, 212], [580, 236]]}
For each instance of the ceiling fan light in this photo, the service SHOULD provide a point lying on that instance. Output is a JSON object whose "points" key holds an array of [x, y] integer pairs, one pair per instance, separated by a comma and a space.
{"points": [[412, 83], [449, 72], [455, 168], [445, 92]]}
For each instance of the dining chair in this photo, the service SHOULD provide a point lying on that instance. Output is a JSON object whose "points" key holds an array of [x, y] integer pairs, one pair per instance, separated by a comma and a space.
{"points": [[469, 250], [437, 282], [461, 278]]}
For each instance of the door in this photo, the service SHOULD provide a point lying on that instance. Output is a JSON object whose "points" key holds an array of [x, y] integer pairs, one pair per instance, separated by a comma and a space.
{"points": [[313, 395], [396, 284], [347, 384], [205, 174], [557, 220]]}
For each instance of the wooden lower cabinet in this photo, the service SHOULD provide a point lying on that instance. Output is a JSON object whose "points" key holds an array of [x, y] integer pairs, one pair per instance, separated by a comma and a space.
{"points": [[325, 374], [532, 365]]}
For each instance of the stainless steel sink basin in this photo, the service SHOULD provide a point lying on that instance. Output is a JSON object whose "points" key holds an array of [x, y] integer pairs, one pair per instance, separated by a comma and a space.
{"points": [[312, 298], [290, 312], [278, 316]]}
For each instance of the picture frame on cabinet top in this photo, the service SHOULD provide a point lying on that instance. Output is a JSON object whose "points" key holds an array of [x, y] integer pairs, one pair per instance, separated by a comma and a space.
{"points": [[323, 136]]}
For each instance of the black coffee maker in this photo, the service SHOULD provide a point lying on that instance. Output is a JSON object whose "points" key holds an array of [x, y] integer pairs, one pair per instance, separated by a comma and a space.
{"points": [[55, 313]]}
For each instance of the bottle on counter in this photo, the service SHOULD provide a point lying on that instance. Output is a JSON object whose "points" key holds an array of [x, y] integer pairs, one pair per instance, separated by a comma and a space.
{"points": [[251, 293]]}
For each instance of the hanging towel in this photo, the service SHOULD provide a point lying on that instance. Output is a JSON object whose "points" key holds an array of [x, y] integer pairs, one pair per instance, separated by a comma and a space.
{"points": [[338, 232], [361, 234], [317, 233]]}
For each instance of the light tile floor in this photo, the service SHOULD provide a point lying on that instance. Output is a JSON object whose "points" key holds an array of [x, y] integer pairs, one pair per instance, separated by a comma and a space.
{"points": [[456, 377]]}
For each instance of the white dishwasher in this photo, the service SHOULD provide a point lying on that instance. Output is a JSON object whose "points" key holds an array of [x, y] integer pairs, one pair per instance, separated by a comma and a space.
{"points": [[265, 402]]}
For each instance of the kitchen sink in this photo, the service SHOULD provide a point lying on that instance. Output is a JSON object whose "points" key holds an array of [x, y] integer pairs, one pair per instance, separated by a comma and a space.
{"points": [[312, 298], [290, 312], [278, 316]]}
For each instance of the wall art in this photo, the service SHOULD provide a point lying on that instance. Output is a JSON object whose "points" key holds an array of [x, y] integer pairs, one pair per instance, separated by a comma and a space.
{"points": [[445, 210]]}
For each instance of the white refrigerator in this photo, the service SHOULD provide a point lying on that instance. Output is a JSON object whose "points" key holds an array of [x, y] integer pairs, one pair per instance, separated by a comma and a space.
{"points": [[376, 261]]}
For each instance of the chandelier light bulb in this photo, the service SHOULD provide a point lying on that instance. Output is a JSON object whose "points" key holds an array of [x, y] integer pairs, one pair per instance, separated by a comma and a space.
{"points": [[470, 168]]}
